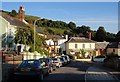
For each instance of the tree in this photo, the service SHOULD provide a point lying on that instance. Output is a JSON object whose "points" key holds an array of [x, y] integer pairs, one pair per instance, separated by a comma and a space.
{"points": [[100, 34], [118, 36], [71, 25], [13, 13]]}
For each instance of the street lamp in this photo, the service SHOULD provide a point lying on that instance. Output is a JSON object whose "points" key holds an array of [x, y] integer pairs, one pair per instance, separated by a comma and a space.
{"points": [[35, 33], [54, 40]]}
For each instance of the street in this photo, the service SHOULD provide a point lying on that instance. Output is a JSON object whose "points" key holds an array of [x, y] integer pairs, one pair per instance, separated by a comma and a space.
{"points": [[78, 70], [73, 71]]}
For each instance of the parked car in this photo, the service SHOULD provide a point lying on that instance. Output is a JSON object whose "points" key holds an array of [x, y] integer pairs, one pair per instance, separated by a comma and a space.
{"points": [[50, 63], [63, 61], [66, 58], [31, 68], [57, 62], [99, 58]]}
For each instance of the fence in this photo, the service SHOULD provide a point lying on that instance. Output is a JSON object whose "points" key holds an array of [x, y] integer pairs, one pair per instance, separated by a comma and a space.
{"points": [[10, 60]]}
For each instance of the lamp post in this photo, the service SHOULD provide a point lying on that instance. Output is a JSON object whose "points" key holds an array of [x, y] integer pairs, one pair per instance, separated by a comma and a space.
{"points": [[54, 40], [35, 34]]}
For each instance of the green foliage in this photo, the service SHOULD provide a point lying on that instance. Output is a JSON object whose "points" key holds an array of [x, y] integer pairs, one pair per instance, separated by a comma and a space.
{"points": [[13, 13], [24, 35], [111, 55], [118, 36], [71, 25], [30, 19], [63, 28], [100, 34], [82, 52]]}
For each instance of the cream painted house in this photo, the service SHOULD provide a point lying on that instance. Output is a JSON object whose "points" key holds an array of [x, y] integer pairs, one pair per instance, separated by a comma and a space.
{"points": [[114, 48], [75, 44]]}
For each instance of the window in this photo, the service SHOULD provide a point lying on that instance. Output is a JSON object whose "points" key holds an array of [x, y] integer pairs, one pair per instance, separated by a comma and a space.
{"points": [[75, 45], [90, 45], [114, 50], [83, 45]]}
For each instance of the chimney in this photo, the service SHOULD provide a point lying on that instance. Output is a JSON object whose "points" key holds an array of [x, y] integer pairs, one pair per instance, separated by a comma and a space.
{"points": [[21, 13], [89, 35], [66, 37]]}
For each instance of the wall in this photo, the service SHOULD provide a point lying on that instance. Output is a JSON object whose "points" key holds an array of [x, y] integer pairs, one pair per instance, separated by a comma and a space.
{"points": [[110, 50], [3, 29], [79, 46], [6, 28]]}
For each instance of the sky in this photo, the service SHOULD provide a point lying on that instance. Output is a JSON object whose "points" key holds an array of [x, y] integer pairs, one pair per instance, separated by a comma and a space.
{"points": [[93, 14]]}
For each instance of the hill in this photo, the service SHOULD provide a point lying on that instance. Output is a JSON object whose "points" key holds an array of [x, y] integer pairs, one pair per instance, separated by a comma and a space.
{"points": [[62, 28]]}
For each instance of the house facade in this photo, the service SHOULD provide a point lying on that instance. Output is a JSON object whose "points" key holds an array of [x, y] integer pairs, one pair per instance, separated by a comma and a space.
{"points": [[6, 34], [101, 48], [8, 28], [75, 44], [56, 44], [114, 48]]}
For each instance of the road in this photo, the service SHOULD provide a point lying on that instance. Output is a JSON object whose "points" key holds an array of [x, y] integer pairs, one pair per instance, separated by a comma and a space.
{"points": [[73, 71], [76, 70], [0, 69]]}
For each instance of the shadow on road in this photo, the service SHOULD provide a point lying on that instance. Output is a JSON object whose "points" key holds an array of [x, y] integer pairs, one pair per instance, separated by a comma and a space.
{"points": [[80, 65]]}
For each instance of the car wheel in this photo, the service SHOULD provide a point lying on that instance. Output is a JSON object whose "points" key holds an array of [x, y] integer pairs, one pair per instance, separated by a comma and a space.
{"points": [[51, 70], [54, 68], [47, 73], [41, 77]]}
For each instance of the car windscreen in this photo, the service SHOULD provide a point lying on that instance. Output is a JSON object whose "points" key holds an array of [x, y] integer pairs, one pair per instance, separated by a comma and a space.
{"points": [[61, 59], [45, 60], [30, 63], [100, 57]]}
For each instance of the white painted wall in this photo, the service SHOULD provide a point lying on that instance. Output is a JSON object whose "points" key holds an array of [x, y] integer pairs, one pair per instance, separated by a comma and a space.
{"points": [[6, 27], [80, 45], [61, 42]]}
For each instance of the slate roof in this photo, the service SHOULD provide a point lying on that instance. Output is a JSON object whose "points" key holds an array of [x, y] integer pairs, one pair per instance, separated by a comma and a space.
{"points": [[114, 45], [55, 36], [39, 30], [80, 40], [101, 45], [12, 20]]}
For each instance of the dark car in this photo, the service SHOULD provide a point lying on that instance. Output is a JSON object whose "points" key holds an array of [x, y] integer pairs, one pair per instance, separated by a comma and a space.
{"points": [[99, 58], [31, 68], [50, 63], [66, 58], [63, 61]]}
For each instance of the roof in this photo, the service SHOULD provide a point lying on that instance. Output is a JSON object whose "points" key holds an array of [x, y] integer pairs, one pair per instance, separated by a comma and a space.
{"points": [[12, 20], [80, 40], [114, 45], [101, 45], [39, 30], [55, 36]]}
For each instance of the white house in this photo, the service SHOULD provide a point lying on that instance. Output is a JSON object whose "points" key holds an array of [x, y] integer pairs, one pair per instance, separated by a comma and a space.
{"points": [[8, 28], [75, 44], [56, 42]]}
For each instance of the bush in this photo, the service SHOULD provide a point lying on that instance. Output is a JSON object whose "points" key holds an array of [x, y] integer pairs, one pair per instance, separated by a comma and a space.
{"points": [[112, 61]]}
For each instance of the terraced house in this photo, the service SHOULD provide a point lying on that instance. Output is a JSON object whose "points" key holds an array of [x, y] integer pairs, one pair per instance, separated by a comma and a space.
{"points": [[76, 44]]}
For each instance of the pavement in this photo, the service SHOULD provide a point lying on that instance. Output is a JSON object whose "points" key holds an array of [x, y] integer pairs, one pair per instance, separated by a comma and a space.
{"points": [[0, 69], [99, 73]]}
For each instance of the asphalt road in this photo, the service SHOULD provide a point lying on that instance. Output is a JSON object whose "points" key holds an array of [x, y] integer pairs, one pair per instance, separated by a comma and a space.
{"points": [[73, 71]]}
